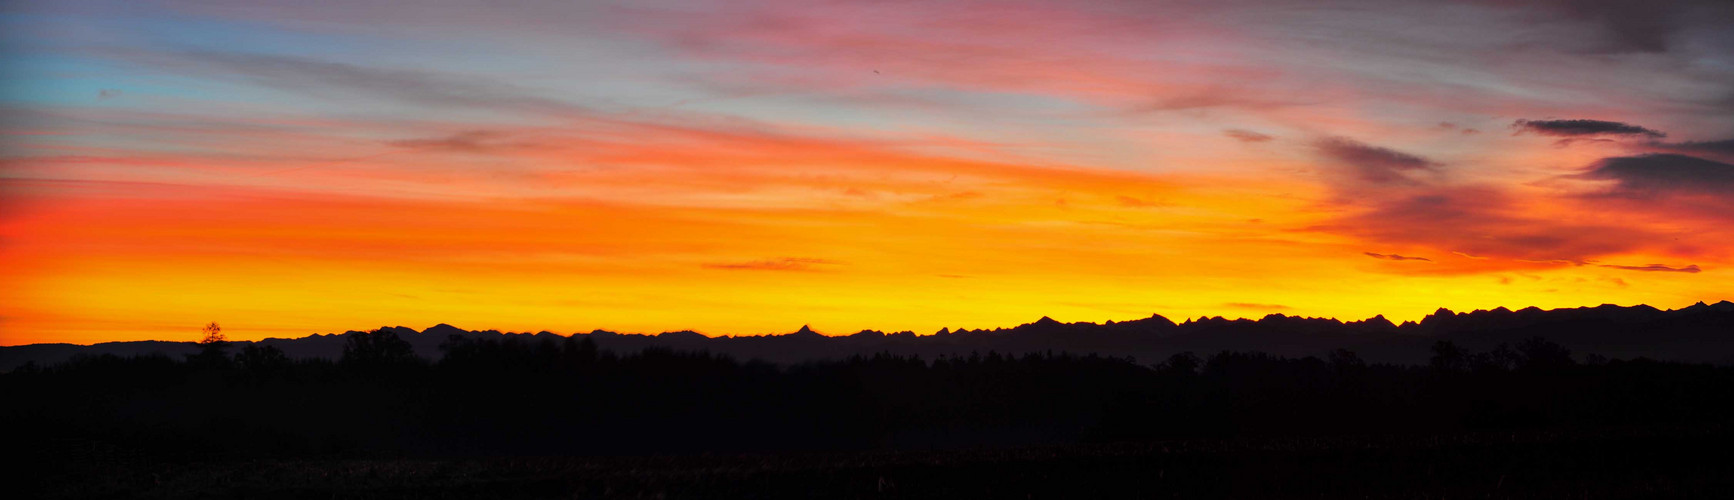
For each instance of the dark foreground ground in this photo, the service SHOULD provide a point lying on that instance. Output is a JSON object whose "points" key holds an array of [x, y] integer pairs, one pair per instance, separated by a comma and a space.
{"points": [[1676, 462], [564, 419]]}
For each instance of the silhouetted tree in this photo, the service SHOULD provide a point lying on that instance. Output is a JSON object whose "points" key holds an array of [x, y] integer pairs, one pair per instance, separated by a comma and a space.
{"points": [[257, 358], [213, 347], [1185, 363], [1448, 358], [578, 352], [1501, 358], [1344, 360], [213, 334], [378, 348], [1540, 354]]}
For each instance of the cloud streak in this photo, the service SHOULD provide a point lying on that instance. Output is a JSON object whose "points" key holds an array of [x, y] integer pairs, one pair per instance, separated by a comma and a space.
{"points": [[783, 264], [1373, 164], [1129, 201], [1256, 306], [1657, 174], [327, 79], [470, 141], [1392, 256], [1482, 221], [1693, 269], [1723, 148], [1577, 128], [1247, 136]]}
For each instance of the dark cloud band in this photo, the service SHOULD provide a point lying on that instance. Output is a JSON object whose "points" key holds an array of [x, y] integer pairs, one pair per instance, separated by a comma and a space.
{"points": [[1647, 175], [1574, 128]]}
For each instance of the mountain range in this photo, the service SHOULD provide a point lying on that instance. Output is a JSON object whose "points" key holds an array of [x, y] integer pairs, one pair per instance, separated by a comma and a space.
{"points": [[1698, 333]]}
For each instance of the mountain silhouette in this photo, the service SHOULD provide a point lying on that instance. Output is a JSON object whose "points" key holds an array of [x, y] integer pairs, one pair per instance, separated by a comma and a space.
{"points": [[1698, 333]]}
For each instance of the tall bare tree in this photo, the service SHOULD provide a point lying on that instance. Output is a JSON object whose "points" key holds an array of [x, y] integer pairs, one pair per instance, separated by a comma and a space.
{"points": [[213, 335]]}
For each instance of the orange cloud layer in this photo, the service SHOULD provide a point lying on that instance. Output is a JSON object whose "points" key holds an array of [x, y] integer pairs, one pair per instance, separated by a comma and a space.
{"points": [[652, 234]]}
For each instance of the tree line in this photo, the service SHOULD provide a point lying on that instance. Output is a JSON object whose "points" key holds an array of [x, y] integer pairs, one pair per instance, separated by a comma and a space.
{"points": [[511, 395]]}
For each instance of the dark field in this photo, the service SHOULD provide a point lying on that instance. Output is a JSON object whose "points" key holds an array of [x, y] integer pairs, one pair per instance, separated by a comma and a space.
{"points": [[1690, 462], [564, 419]]}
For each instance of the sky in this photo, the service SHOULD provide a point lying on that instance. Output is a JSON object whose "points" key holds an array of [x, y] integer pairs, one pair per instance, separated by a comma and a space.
{"points": [[743, 167]]}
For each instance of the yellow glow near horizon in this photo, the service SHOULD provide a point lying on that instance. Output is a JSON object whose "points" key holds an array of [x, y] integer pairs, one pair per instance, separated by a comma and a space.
{"points": [[271, 265]]}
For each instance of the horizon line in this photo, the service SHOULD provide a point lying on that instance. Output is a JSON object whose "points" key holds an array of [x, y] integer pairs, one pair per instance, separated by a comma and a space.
{"points": [[808, 327]]}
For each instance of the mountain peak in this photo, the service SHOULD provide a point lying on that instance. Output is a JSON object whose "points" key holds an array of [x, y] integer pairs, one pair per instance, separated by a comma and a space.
{"points": [[1160, 319], [1379, 321], [443, 330], [682, 335], [396, 330]]}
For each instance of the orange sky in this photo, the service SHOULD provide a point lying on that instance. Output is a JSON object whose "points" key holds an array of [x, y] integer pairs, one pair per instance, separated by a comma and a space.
{"points": [[746, 169]]}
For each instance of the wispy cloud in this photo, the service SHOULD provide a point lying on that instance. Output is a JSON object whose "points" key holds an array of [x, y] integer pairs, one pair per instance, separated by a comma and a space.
{"points": [[327, 79], [1392, 256], [1246, 135], [1372, 163], [1693, 268], [1485, 221], [1129, 201], [1256, 306], [1722, 147], [782, 264], [470, 141], [1564, 262]]}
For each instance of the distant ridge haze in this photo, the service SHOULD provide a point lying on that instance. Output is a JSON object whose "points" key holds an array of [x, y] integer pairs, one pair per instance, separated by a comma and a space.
{"points": [[1700, 333]]}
